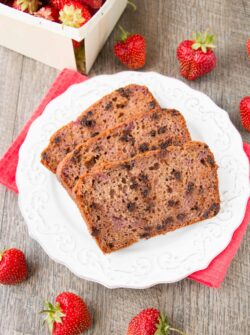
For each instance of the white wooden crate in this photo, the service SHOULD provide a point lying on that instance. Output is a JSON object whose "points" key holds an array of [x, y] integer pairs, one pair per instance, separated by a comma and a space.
{"points": [[50, 42]]}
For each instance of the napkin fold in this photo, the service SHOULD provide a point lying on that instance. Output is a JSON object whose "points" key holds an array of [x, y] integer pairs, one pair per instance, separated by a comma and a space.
{"points": [[212, 276]]}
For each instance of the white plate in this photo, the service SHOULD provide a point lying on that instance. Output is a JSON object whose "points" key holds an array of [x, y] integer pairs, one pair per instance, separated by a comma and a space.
{"points": [[55, 222]]}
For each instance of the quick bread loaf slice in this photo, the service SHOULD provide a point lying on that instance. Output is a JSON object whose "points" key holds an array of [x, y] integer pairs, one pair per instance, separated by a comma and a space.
{"points": [[151, 194], [150, 131], [114, 108]]}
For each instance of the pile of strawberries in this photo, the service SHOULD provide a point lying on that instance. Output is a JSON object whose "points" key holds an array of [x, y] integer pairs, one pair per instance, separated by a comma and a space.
{"points": [[73, 13]]}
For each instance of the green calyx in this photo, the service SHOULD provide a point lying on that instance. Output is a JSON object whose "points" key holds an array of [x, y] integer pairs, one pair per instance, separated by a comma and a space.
{"points": [[71, 16], [30, 5], [204, 41], [124, 34], [164, 328], [54, 314]]}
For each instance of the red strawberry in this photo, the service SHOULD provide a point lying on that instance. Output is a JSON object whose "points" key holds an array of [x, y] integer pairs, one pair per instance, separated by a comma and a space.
{"points": [[131, 50], [196, 56], [58, 4], [95, 4], [48, 12], [13, 267], [74, 14], [245, 112], [150, 322], [248, 47], [28, 6], [69, 316]]}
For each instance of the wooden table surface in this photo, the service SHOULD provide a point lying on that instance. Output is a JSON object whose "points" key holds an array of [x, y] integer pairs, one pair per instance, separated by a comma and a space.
{"points": [[190, 306]]}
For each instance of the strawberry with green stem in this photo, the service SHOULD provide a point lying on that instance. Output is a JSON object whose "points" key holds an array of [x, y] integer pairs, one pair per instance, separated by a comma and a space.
{"points": [[69, 315], [196, 56], [151, 322], [131, 50]]}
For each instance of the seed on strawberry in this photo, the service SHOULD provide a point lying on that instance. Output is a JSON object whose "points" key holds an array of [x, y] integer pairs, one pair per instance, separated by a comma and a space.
{"points": [[74, 14], [28, 6], [48, 12], [196, 56], [13, 267], [245, 112], [248, 47], [69, 315], [150, 322], [131, 50]]}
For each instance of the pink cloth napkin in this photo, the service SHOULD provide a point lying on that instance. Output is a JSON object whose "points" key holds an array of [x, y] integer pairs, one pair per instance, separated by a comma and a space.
{"points": [[212, 276]]}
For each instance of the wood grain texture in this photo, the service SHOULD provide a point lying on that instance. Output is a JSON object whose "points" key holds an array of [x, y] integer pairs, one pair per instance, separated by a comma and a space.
{"points": [[23, 82]]}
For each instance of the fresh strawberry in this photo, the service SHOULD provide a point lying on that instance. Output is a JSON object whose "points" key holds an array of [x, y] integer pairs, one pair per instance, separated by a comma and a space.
{"points": [[48, 12], [245, 112], [248, 47], [13, 267], [69, 315], [74, 14], [95, 4], [28, 6], [196, 56], [150, 322], [58, 4], [131, 50]]}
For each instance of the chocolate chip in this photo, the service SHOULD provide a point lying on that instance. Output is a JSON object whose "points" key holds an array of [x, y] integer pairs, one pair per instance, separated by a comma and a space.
{"points": [[145, 192], [155, 116], [169, 189], [87, 122], [90, 113], [195, 208], [108, 106], [162, 130], [120, 106], [190, 187], [173, 203], [181, 216], [203, 161], [91, 162], [131, 206], [128, 166], [168, 220], [110, 245], [143, 177], [165, 144], [57, 139], [95, 134], [159, 227], [210, 160], [154, 167], [144, 235], [75, 159], [174, 112], [215, 208], [124, 92], [201, 189], [134, 184], [152, 105], [153, 133], [176, 174], [144, 147], [44, 156], [95, 231], [127, 137]]}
